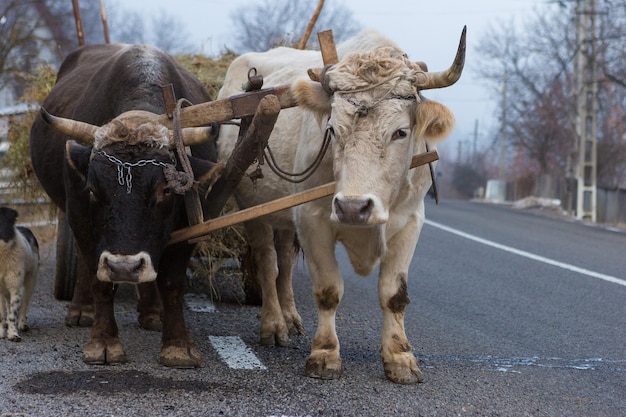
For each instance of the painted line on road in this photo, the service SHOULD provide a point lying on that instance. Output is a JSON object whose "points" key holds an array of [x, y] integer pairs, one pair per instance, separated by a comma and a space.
{"points": [[503, 364], [604, 277], [231, 349], [235, 352]]}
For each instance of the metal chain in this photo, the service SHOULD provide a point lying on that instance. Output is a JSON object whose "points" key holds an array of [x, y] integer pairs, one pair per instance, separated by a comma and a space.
{"points": [[126, 178]]}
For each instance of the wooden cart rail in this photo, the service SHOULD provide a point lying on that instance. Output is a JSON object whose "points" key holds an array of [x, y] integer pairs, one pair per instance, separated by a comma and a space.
{"points": [[199, 232]]}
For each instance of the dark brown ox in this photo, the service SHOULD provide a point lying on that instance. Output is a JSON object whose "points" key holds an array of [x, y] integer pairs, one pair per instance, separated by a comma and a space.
{"points": [[371, 107], [113, 187]]}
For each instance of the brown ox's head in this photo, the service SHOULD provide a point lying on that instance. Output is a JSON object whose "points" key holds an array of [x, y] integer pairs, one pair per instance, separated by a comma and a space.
{"points": [[128, 186], [379, 120]]}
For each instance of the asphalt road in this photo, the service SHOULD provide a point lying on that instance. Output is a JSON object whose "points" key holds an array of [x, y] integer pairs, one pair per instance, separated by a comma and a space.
{"points": [[513, 313]]}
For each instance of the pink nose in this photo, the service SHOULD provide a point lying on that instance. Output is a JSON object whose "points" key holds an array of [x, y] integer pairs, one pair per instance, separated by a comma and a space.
{"points": [[353, 211], [124, 270]]}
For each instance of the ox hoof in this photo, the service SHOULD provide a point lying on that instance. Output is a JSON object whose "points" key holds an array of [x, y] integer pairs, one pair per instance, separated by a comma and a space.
{"points": [[403, 374], [181, 357], [296, 329], [104, 352], [323, 367], [79, 318], [151, 322], [275, 340]]}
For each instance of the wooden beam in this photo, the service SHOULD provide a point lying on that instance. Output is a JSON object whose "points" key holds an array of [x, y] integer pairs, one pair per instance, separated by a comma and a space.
{"points": [[309, 27], [327, 47], [245, 152], [234, 107], [197, 233]]}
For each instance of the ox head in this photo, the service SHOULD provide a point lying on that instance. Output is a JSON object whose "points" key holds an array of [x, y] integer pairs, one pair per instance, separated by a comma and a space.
{"points": [[378, 120], [124, 178]]}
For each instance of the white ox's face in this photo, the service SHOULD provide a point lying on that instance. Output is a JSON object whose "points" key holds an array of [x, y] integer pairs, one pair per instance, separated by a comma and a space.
{"points": [[371, 155], [372, 149]]}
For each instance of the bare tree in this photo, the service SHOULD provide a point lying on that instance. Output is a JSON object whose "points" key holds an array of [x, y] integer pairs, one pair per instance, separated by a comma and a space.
{"points": [[169, 35], [271, 23], [540, 107], [21, 38]]}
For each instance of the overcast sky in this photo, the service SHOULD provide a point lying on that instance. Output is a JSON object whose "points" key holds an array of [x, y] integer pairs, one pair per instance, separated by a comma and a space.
{"points": [[428, 31]]}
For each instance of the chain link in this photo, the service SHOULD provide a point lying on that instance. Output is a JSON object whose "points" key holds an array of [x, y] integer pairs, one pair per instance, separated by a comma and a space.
{"points": [[125, 178]]}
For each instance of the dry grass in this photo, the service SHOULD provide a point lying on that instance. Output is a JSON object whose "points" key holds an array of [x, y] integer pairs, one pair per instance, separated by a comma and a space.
{"points": [[209, 71]]}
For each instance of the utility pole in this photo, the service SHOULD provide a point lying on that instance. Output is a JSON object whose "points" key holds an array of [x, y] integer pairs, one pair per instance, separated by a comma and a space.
{"points": [[474, 150], [586, 109], [502, 139]]}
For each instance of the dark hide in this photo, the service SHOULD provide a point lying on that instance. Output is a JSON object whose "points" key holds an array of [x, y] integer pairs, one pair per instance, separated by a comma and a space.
{"points": [[95, 84]]}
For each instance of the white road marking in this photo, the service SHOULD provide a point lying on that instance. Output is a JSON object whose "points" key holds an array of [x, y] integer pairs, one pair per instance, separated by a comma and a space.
{"points": [[529, 255], [235, 353], [231, 349], [199, 303], [513, 364]]}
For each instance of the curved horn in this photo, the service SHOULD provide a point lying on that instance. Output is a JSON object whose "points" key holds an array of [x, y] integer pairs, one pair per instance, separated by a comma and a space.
{"points": [[448, 77], [81, 131], [197, 135], [315, 74]]}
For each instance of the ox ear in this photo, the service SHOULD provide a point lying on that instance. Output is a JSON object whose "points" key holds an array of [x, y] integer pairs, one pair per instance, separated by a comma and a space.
{"points": [[312, 96], [205, 171], [77, 157], [434, 120]]}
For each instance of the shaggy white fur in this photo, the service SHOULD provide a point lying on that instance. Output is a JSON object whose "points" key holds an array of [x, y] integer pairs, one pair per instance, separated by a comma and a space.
{"points": [[19, 264]]}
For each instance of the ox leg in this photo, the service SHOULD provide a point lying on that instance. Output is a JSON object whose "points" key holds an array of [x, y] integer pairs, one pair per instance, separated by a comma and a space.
{"points": [[177, 348], [286, 251], [324, 361], [104, 347], [399, 363], [149, 307], [274, 330], [81, 309]]}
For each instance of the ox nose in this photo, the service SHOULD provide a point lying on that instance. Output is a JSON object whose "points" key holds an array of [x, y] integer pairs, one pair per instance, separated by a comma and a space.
{"points": [[124, 270], [353, 211]]}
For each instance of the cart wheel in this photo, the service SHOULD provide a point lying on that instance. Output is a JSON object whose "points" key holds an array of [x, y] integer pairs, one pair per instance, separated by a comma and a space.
{"points": [[66, 261]]}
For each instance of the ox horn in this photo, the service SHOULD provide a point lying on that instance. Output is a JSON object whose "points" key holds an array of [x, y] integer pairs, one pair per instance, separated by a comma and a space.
{"points": [[81, 131], [197, 135], [448, 77]]}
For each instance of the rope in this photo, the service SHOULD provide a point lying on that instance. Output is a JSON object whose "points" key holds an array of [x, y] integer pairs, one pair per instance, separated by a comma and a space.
{"points": [[307, 172], [179, 181]]}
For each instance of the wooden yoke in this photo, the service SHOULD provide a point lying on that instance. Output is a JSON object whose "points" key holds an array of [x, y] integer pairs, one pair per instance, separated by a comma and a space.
{"points": [[234, 107], [244, 153]]}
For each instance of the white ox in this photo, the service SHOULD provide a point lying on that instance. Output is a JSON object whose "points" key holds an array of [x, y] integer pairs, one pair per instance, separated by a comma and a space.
{"points": [[369, 104]]}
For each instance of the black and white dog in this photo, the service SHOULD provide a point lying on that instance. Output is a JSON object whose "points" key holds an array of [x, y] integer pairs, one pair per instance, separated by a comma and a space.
{"points": [[19, 263]]}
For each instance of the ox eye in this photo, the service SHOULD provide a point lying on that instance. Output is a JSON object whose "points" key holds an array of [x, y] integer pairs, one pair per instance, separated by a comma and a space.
{"points": [[400, 134]]}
